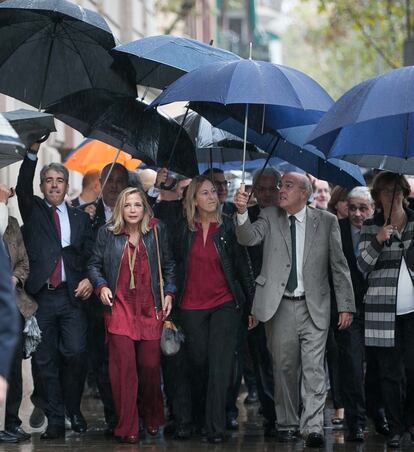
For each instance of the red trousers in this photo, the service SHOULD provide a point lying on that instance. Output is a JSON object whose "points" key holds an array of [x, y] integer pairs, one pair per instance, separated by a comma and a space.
{"points": [[130, 361]]}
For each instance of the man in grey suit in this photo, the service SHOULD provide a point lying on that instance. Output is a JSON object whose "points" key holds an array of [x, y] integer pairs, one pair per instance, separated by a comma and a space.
{"points": [[293, 300]]}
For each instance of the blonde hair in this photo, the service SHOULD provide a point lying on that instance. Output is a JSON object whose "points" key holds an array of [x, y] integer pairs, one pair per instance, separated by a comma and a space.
{"points": [[190, 202], [117, 223]]}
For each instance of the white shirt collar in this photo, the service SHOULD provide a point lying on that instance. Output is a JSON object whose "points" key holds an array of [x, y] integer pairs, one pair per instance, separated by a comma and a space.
{"points": [[61, 207], [300, 216]]}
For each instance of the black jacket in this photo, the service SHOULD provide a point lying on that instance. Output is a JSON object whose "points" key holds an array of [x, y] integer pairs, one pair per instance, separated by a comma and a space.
{"points": [[234, 259], [42, 242], [8, 315], [103, 266]]}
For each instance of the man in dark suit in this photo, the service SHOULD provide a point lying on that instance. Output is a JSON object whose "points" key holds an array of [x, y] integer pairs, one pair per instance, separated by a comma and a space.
{"points": [[8, 323], [58, 241], [265, 189], [351, 341]]}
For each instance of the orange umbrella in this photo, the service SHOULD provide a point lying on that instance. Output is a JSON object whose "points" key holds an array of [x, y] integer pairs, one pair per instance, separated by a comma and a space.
{"points": [[94, 154]]}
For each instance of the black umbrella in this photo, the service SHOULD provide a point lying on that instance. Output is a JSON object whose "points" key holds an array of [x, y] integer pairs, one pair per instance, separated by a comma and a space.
{"points": [[125, 123], [52, 48], [31, 125]]}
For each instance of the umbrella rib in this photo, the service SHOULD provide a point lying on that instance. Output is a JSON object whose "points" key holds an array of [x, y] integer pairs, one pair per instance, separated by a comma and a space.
{"points": [[80, 55]]}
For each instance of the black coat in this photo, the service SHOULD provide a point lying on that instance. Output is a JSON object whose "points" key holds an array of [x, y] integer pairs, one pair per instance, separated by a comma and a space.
{"points": [[42, 242], [234, 260], [104, 265], [8, 315]]}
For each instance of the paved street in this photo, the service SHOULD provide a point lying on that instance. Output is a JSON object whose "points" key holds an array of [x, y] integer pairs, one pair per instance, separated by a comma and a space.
{"points": [[250, 436]]}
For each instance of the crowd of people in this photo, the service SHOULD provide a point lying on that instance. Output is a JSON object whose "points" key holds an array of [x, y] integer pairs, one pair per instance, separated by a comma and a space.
{"points": [[268, 288]]}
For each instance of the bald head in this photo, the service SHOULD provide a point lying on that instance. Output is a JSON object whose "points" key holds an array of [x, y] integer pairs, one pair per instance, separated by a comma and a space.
{"points": [[294, 192]]}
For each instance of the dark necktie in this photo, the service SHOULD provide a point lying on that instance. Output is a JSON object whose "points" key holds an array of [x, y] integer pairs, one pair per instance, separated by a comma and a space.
{"points": [[293, 277], [56, 276]]}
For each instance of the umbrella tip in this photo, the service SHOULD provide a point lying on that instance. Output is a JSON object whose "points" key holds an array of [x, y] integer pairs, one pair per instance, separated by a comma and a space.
{"points": [[250, 50], [211, 42]]}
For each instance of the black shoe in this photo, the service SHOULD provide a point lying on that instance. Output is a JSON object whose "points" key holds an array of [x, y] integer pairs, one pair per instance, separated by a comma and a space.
{"points": [[18, 433], [216, 439], [394, 441], [37, 418], [6, 438], [183, 431], [382, 427], [287, 436], [53, 432], [314, 440], [356, 435], [232, 423], [269, 429], [251, 398], [78, 423]]}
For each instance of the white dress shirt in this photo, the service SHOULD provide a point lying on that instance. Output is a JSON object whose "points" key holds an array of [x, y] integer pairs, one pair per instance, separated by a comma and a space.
{"points": [[62, 211], [108, 211], [4, 218], [300, 246]]}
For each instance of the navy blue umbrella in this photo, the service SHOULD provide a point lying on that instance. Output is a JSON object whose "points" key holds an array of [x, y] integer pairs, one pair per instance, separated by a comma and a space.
{"points": [[158, 61], [289, 145], [262, 95], [372, 124]]}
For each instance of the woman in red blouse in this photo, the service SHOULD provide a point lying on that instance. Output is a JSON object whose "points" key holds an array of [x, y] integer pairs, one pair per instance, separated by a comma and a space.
{"points": [[215, 282], [124, 272]]}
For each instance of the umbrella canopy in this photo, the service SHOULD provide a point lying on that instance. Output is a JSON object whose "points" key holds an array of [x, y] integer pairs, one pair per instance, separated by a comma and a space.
{"points": [[95, 155], [127, 124], [372, 124], [30, 125], [278, 96], [52, 48], [160, 60], [11, 147]]}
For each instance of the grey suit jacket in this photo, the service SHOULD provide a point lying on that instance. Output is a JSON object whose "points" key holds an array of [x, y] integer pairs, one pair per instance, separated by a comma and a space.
{"points": [[322, 249]]}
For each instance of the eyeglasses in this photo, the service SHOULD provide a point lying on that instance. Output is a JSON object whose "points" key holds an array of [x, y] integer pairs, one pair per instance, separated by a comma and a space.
{"points": [[390, 191]]}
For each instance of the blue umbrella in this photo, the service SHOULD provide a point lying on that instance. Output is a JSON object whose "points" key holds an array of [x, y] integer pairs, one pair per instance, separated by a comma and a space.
{"points": [[160, 60], [372, 124], [289, 145], [262, 95]]}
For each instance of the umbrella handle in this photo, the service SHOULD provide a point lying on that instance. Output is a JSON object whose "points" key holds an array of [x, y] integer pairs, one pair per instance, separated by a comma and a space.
{"points": [[388, 222], [242, 188]]}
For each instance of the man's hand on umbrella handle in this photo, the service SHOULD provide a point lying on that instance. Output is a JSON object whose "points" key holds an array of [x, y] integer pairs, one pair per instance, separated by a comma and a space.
{"points": [[34, 148], [162, 176], [91, 210], [240, 201]]}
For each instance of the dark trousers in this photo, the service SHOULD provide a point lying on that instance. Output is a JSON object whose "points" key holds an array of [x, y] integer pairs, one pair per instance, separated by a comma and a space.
{"points": [[14, 392], [60, 358], [177, 386], [396, 375], [350, 343], [98, 356], [237, 371], [335, 378], [211, 336], [130, 361], [263, 370]]}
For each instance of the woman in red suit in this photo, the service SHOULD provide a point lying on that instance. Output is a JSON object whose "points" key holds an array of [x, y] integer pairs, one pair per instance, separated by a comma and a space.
{"points": [[124, 272]]}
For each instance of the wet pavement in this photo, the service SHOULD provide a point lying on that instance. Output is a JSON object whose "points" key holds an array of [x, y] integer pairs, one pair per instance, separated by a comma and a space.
{"points": [[249, 437]]}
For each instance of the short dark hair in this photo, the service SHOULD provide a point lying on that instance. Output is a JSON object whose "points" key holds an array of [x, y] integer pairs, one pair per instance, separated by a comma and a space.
{"points": [[381, 180], [54, 166]]}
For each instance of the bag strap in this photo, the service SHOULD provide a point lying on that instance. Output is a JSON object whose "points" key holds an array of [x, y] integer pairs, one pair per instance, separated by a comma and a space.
{"points": [[159, 266]]}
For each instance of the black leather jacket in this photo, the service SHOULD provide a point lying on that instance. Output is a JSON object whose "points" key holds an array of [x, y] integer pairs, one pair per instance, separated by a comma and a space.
{"points": [[234, 259], [103, 266]]}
